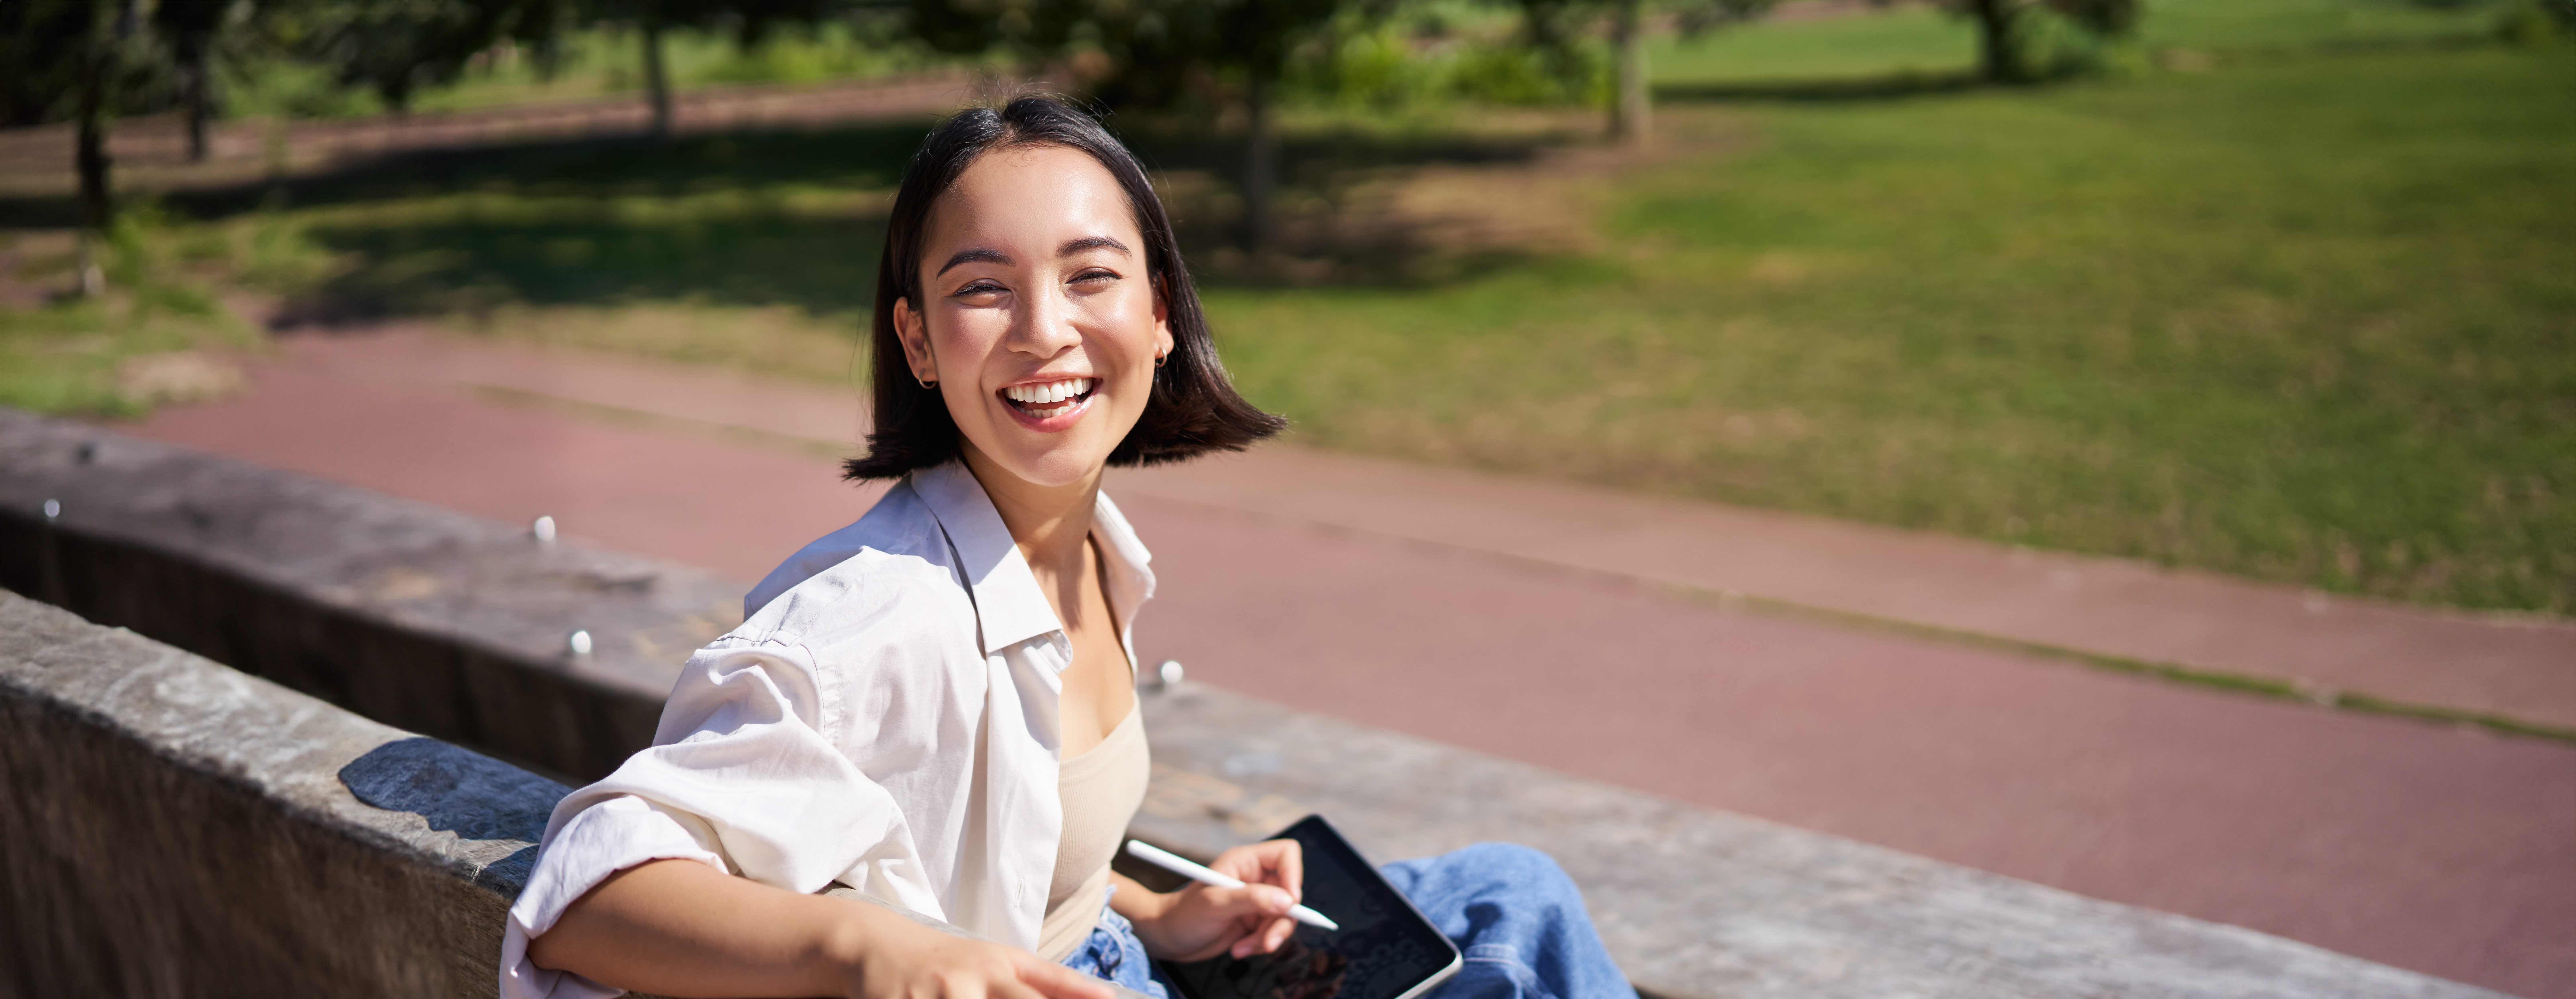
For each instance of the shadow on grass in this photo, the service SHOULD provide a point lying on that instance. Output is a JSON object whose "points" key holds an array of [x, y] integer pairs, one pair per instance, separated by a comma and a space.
{"points": [[1886, 87], [755, 218]]}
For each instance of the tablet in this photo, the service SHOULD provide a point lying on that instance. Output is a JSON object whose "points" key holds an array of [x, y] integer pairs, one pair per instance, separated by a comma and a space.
{"points": [[1384, 950]]}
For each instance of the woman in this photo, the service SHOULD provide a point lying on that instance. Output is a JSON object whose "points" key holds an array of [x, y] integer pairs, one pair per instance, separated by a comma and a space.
{"points": [[935, 706]]}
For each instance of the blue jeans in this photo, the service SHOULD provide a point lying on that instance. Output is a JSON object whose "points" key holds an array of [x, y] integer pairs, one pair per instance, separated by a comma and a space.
{"points": [[1511, 911]]}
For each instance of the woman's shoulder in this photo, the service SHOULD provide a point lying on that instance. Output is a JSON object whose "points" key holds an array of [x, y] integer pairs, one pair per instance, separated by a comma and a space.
{"points": [[893, 562]]}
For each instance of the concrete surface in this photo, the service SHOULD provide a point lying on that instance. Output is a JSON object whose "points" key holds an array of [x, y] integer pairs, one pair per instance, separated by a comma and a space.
{"points": [[179, 828], [463, 623], [1701, 903]]}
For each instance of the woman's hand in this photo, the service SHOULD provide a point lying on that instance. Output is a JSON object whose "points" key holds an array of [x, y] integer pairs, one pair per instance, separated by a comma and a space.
{"points": [[680, 927], [917, 962], [1203, 921]]}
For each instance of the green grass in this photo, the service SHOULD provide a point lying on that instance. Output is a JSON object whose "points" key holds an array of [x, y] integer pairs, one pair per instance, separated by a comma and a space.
{"points": [[1921, 42], [1906, 40], [68, 354], [2311, 318]]}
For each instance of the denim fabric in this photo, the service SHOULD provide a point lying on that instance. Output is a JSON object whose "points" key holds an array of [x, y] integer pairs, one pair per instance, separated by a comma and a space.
{"points": [[1510, 909], [1113, 953], [1519, 921]]}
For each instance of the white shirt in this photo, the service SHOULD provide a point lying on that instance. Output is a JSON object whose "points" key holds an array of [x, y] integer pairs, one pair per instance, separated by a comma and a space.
{"points": [[833, 736]]}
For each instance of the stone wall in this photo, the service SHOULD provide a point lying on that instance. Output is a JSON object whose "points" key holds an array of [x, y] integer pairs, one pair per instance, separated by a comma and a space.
{"points": [[460, 623], [177, 828], [169, 778]]}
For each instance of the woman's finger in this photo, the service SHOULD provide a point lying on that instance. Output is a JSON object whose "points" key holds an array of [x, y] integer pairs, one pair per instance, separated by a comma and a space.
{"points": [[1007, 989], [1288, 861], [1264, 939], [1041, 980], [1249, 903], [1279, 862]]}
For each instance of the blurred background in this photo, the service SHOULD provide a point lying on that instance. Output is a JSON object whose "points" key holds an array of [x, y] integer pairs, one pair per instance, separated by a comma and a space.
{"points": [[2273, 297], [2278, 288]]}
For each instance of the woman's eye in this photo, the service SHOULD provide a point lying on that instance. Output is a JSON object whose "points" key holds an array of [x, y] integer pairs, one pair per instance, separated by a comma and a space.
{"points": [[1090, 277], [979, 288]]}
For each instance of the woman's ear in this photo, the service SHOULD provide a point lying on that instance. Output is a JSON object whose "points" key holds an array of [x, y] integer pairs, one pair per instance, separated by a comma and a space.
{"points": [[913, 329], [1162, 323]]}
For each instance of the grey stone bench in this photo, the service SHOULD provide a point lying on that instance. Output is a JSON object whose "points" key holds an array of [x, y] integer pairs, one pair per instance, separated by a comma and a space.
{"points": [[184, 829], [178, 828], [454, 627]]}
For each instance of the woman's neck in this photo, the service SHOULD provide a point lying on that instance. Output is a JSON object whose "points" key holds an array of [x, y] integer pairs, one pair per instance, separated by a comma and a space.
{"points": [[1049, 523]]}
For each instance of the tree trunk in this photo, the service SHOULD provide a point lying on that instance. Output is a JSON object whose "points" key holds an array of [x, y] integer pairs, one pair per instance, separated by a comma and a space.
{"points": [[2000, 51], [1631, 109], [89, 158], [657, 83], [1260, 165], [199, 104]]}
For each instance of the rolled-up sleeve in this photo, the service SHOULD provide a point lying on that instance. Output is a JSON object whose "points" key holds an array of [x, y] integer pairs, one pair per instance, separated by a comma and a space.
{"points": [[745, 776]]}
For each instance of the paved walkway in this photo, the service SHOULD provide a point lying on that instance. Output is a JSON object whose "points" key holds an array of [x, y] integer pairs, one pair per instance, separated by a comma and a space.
{"points": [[1542, 622]]}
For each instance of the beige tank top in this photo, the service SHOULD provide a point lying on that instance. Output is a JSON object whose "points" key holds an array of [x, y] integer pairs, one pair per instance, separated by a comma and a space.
{"points": [[1101, 790]]}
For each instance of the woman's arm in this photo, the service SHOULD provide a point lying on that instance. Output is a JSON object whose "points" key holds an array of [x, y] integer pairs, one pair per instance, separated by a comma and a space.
{"points": [[1202, 921], [682, 928]]}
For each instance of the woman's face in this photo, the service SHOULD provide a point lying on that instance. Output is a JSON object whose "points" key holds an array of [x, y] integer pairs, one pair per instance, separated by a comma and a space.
{"points": [[1037, 317]]}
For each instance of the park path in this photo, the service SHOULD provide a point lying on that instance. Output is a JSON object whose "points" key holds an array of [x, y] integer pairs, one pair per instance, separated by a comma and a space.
{"points": [[1586, 630], [151, 152]]}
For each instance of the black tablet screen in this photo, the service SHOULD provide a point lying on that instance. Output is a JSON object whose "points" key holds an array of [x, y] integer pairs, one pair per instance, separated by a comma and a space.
{"points": [[1382, 951]]}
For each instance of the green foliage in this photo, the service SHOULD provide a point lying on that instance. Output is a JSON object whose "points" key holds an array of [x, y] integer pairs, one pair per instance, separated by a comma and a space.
{"points": [[66, 355], [1158, 53], [395, 48], [1530, 76], [2536, 22], [48, 46], [1391, 64]]}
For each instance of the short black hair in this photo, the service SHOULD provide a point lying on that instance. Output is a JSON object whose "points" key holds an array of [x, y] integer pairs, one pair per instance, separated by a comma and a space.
{"points": [[1193, 410]]}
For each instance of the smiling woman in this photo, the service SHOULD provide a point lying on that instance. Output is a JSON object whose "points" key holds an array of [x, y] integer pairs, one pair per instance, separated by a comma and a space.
{"points": [[935, 706], [1116, 224]]}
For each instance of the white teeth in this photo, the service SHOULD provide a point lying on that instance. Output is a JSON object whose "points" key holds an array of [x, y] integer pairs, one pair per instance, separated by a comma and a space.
{"points": [[1041, 400], [1051, 392]]}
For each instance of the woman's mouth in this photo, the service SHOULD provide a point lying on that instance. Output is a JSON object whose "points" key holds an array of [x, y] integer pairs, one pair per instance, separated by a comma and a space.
{"points": [[1047, 400]]}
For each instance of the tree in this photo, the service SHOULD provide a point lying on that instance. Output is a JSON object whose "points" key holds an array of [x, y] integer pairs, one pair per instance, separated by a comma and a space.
{"points": [[87, 62], [1162, 54], [654, 19], [397, 47], [1557, 27], [2003, 26], [188, 28]]}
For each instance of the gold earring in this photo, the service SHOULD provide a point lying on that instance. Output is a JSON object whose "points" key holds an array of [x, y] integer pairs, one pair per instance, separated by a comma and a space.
{"points": [[927, 385], [1160, 358]]}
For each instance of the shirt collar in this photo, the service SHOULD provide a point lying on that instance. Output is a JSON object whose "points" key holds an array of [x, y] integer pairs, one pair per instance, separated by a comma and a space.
{"points": [[1009, 607]]}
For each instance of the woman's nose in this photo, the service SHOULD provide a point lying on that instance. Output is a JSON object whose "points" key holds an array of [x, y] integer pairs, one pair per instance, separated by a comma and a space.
{"points": [[1043, 326]]}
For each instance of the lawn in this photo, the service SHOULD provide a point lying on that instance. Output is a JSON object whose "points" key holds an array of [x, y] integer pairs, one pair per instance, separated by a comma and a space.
{"points": [[2309, 316], [2287, 291]]}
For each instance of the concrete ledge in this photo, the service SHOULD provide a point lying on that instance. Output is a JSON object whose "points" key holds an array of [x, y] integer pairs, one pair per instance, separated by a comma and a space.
{"points": [[462, 623], [178, 828], [1694, 903], [1701, 903]]}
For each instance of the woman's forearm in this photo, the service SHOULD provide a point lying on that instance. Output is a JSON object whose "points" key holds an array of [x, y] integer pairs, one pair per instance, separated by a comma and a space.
{"points": [[680, 927]]}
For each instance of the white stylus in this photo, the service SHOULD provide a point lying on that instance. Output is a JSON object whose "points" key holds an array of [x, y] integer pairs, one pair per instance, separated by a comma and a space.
{"points": [[1174, 863]]}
